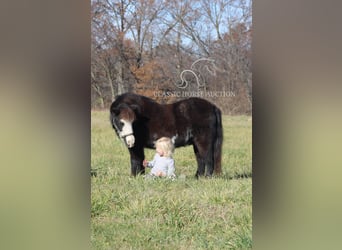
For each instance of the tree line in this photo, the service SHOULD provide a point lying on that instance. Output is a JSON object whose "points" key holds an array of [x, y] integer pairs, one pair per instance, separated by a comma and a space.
{"points": [[169, 50]]}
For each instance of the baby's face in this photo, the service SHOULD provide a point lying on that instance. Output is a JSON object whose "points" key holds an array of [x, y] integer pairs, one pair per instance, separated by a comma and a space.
{"points": [[159, 151]]}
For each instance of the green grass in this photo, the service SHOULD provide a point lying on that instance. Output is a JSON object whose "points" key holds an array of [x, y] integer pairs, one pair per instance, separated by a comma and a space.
{"points": [[134, 213]]}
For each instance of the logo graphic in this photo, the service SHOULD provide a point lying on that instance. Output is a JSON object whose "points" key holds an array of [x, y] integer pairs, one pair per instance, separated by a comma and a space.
{"points": [[198, 74], [198, 70]]}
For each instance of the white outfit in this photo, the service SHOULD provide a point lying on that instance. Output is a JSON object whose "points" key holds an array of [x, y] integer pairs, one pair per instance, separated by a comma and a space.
{"points": [[166, 165]]}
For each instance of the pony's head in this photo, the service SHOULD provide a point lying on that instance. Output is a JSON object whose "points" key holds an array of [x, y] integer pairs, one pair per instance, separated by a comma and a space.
{"points": [[122, 117]]}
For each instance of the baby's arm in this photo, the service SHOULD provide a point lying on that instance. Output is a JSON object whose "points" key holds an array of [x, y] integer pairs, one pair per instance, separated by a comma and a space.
{"points": [[149, 164], [171, 168]]}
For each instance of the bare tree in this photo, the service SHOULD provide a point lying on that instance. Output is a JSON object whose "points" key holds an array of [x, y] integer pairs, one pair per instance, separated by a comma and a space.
{"points": [[153, 45]]}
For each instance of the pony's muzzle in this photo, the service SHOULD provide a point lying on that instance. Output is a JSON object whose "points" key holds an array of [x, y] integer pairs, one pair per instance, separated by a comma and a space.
{"points": [[130, 140]]}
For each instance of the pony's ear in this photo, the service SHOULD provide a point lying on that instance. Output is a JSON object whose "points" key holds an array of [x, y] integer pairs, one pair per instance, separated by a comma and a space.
{"points": [[135, 108], [116, 110]]}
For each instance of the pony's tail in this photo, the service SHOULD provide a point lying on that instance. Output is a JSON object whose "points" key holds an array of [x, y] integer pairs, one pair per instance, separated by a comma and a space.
{"points": [[218, 139]]}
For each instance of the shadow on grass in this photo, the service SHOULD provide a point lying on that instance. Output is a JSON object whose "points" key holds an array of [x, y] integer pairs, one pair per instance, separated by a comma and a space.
{"points": [[237, 176]]}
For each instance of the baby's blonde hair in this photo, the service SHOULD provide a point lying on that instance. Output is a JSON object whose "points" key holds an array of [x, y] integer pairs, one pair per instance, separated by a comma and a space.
{"points": [[165, 143]]}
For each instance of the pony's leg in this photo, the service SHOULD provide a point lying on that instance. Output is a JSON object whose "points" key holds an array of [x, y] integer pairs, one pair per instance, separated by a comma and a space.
{"points": [[204, 157], [209, 161], [137, 157], [200, 162]]}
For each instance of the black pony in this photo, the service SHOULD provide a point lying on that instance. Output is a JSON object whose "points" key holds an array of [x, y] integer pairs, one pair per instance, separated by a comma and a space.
{"points": [[139, 121]]}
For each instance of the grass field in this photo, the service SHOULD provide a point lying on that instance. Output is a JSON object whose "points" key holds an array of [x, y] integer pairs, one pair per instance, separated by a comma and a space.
{"points": [[134, 213]]}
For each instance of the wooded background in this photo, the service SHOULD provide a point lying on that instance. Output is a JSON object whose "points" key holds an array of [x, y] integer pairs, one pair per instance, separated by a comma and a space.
{"points": [[163, 49]]}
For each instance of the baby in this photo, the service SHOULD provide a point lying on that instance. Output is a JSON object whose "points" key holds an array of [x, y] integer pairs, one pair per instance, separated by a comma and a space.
{"points": [[163, 165]]}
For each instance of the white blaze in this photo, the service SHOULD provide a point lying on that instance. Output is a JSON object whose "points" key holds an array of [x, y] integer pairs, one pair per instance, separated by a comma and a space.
{"points": [[127, 133]]}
